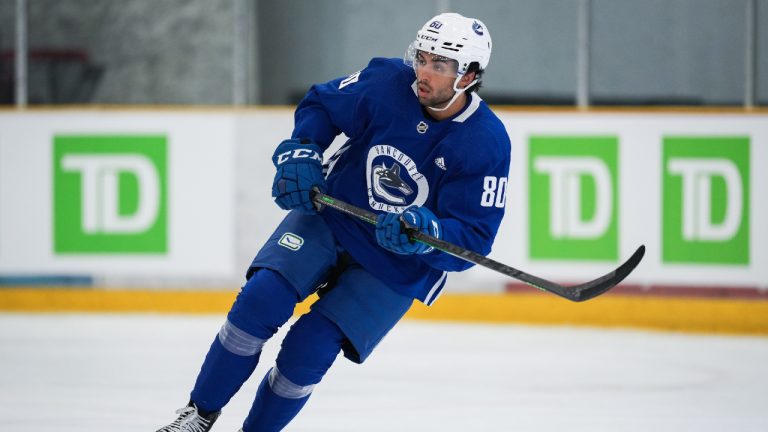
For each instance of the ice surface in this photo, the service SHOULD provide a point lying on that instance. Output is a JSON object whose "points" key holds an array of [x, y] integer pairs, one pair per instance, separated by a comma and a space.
{"points": [[122, 373]]}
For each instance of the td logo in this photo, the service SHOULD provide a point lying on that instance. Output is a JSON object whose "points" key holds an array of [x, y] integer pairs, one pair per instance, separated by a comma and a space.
{"points": [[110, 194], [706, 200], [573, 197]]}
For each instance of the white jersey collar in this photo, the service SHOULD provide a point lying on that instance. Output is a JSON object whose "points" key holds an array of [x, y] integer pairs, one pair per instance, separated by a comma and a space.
{"points": [[473, 106]]}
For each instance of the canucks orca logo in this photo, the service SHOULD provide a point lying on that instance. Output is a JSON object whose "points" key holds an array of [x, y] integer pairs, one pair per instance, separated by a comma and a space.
{"points": [[394, 181], [386, 179], [477, 28]]}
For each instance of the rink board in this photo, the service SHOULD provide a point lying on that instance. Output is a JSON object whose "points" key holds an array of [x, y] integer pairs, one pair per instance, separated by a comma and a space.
{"points": [[690, 185], [178, 198]]}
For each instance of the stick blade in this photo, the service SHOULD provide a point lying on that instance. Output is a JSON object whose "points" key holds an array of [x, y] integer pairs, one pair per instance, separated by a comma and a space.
{"points": [[594, 288]]}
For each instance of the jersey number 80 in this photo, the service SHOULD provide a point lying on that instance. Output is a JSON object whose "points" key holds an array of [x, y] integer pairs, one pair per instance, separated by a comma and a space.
{"points": [[494, 192]]}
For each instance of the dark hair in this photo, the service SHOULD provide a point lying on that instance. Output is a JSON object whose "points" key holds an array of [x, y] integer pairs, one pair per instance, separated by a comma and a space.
{"points": [[475, 67]]}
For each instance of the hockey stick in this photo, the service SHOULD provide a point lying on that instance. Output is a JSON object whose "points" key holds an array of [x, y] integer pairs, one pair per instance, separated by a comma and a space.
{"points": [[577, 293]]}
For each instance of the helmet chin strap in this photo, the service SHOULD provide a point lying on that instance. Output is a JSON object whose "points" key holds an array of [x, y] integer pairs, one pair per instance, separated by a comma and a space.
{"points": [[457, 93]]}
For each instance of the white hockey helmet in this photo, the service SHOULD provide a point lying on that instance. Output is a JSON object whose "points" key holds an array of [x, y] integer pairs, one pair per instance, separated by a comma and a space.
{"points": [[454, 36]]}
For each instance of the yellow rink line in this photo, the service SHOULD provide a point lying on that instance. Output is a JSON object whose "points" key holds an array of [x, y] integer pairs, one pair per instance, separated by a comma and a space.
{"points": [[737, 316], [701, 315]]}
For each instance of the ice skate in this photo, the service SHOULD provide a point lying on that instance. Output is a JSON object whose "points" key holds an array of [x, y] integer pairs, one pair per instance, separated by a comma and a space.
{"points": [[190, 420]]}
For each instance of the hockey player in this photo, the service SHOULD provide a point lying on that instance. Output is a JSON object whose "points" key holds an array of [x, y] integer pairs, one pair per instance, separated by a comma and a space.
{"points": [[423, 147]]}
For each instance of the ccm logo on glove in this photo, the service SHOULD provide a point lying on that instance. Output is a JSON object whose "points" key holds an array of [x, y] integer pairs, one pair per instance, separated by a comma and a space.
{"points": [[298, 154], [299, 166]]}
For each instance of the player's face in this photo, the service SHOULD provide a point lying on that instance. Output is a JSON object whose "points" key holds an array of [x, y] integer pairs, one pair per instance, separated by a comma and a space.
{"points": [[435, 76]]}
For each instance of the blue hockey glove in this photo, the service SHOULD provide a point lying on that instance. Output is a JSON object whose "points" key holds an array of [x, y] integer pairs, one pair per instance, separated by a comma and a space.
{"points": [[299, 166], [391, 235]]}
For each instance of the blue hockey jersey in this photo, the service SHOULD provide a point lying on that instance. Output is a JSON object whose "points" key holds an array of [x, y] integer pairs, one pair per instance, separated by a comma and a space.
{"points": [[398, 156]]}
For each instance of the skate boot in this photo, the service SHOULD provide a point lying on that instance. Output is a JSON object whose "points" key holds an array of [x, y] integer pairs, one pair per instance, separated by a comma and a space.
{"points": [[190, 420]]}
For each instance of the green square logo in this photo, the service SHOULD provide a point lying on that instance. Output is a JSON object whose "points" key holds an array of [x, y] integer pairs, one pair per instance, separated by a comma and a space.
{"points": [[705, 197], [573, 199], [110, 194]]}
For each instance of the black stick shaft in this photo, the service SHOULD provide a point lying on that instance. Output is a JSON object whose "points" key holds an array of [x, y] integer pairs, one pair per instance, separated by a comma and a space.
{"points": [[577, 293]]}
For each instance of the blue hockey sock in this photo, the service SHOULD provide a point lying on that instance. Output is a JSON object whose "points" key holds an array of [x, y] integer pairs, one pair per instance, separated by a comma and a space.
{"points": [[264, 304], [221, 376], [270, 412], [307, 353]]}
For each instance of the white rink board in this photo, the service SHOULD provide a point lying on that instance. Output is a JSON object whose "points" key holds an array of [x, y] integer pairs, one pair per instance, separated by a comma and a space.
{"points": [[200, 203], [640, 163], [220, 215]]}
